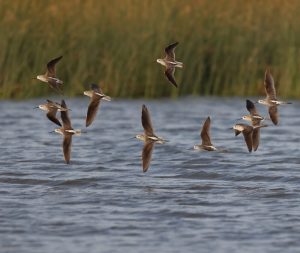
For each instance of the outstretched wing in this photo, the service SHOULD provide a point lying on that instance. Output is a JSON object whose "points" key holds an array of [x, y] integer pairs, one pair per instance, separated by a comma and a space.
{"points": [[269, 85], [251, 107], [170, 52], [67, 143], [146, 122], [65, 116], [51, 71], [95, 87], [51, 115], [273, 112], [248, 137], [147, 154], [255, 138], [170, 75], [205, 136], [92, 109]]}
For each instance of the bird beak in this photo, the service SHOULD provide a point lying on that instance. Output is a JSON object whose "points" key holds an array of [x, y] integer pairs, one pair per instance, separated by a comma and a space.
{"points": [[51, 132], [35, 107], [239, 118]]}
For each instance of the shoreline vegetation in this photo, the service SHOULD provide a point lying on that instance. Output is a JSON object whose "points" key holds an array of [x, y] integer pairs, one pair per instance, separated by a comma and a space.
{"points": [[225, 46]]}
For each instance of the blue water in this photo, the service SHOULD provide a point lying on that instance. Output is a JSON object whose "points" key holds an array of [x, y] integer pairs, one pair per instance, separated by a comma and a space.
{"points": [[188, 201]]}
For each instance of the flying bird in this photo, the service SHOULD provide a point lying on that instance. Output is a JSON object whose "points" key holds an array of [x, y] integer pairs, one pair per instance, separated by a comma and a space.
{"points": [[96, 95], [247, 132], [255, 120], [170, 63], [149, 138], [51, 108], [271, 100], [50, 76], [67, 131], [205, 137]]}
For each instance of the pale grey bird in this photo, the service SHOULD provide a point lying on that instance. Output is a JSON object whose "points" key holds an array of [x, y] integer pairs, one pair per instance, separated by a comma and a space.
{"points": [[256, 120], [205, 137], [96, 96], [50, 76], [51, 108], [271, 100], [247, 132], [149, 138], [170, 63], [67, 131]]}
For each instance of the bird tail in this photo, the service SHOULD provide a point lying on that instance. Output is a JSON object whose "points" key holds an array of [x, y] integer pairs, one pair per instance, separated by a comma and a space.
{"points": [[107, 98], [260, 126], [179, 65]]}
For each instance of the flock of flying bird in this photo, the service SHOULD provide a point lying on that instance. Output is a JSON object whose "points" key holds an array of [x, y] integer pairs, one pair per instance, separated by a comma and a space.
{"points": [[251, 132]]}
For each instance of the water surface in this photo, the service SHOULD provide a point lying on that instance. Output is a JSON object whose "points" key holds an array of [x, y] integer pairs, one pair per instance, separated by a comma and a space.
{"points": [[188, 201]]}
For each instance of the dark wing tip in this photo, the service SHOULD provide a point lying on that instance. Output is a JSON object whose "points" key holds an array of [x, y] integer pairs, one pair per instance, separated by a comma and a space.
{"points": [[94, 86], [249, 104], [171, 46], [63, 104], [144, 107], [170, 77]]}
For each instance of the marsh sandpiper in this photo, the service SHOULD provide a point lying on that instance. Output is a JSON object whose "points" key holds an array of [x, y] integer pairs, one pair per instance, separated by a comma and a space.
{"points": [[271, 100], [96, 95], [255, 120], [149, 138], [51, 108], [50, 76], [170, 63], [67, 131], [205, 137], [247, 132]]}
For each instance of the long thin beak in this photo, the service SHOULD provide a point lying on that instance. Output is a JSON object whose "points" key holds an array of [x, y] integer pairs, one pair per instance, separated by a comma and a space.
{"points": [[239, 118], [51, 132], [35, 107]]}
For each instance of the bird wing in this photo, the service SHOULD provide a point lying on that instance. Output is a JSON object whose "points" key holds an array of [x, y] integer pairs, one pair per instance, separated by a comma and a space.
{"points": [[205, 136], [51, 72], [55, 86], [251, 107], [51, 115], [170, 52], [255, 138], [273, 112], [236, 132], [248, 137], [170, 75], [146, 122], [67, 143], [65, 116], [147, 154], [269, 86], [95, 87], [92, 110]]}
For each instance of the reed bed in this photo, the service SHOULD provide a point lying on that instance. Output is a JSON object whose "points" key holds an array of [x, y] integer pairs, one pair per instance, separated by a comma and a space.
{"points": [[225, 46]]}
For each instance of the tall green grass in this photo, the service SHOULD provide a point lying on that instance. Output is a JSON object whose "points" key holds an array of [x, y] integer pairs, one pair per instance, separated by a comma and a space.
{"points": [[225, 46]]}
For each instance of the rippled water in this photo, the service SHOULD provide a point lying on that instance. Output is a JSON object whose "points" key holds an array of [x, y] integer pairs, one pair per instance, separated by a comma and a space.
{"points": [[188, 201]]}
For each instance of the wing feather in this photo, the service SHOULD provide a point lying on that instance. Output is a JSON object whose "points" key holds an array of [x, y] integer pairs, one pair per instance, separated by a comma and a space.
{"points": [[51, 70], [146, 121]]}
